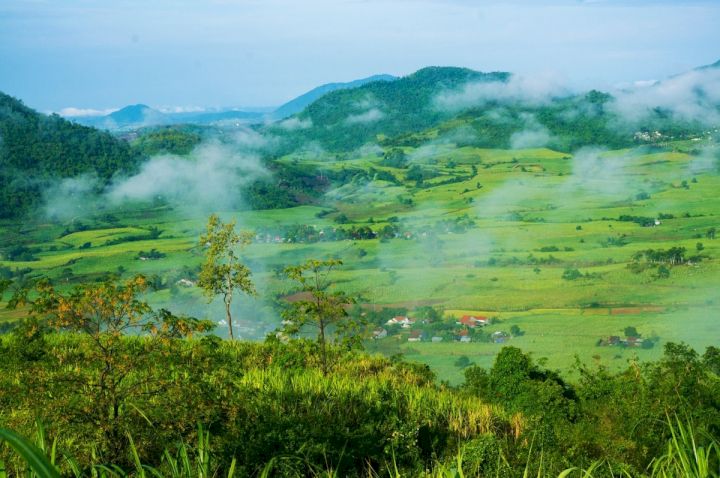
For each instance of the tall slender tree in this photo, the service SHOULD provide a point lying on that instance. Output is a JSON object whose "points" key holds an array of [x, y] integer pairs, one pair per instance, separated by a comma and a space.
{"points": [[222, 273]]}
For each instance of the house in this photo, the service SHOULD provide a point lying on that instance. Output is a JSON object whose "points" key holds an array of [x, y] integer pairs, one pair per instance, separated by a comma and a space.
{"points": [[463, 336], [499, 337], [613, 340], [415, 336], [404, 322], [379, 333], [186, 283], [633, 341], [436, 339], [473, 321]]}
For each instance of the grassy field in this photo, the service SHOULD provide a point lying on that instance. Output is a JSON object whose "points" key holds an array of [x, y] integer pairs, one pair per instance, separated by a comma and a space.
{"points": [[535, 213]]}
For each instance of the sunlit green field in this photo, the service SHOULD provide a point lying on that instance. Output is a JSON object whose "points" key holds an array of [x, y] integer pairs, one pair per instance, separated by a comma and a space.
{"points": [[536, 214]]}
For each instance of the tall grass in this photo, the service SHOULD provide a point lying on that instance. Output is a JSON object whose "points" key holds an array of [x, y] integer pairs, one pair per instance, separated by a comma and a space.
{"points": [[684, 457]]}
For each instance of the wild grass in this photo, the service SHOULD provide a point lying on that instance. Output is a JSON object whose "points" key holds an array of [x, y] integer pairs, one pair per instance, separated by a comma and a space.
{"points": [[685, 457]]}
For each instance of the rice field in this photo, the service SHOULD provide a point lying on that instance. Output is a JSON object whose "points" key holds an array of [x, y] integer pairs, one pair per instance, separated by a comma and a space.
{"points": [[535, 213]]}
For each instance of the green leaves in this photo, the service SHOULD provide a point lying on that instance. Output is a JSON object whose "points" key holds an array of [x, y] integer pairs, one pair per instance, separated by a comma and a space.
{"points": [[222, 272], [31, 454]]}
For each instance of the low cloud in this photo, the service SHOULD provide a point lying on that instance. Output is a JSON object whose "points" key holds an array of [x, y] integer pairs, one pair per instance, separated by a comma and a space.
{"points": [[707, 161], [210, 179], [369, 116], [535, 90], [71, 112], [72, 197], [295, 123], [181, 109], [533, 134], [691, 96]]}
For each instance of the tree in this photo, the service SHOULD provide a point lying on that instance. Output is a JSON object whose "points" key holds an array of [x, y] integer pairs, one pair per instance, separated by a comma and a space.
{"points": [[108, 383], [320, 306], [631, 331], [222, 272]]}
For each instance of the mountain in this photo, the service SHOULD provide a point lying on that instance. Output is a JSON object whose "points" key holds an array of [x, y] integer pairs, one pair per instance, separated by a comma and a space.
{"points": [[37, 149], [140, 116], [345, 119], [129, 117], [709, 67], [133, 115], [301, 102]]}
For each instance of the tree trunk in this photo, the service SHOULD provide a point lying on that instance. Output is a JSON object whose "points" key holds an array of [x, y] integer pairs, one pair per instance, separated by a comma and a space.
{"points": [[228, 301], [323, 352], [228, 315]]}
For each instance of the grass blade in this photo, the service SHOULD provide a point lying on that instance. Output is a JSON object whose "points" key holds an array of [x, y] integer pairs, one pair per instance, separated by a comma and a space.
{"points": [[32, 455]]}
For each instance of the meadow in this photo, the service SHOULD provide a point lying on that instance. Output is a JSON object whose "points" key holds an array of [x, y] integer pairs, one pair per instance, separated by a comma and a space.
{"points": [[484, 232]]}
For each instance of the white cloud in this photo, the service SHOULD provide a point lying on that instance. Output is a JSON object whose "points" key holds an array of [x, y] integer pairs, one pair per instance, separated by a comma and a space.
{"points": [[72, 112], [691, 96], [181, 109], [536, 90], [369, 116], [292, 124]]}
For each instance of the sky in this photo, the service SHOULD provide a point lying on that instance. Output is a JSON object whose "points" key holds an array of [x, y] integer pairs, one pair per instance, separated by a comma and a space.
{"points": [[193, 54]]}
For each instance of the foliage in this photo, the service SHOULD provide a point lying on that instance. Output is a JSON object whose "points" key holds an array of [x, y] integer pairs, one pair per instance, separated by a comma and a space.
{"points": [[168, 140], [222, 272], [102, 315], [321, 307], [37, 149]]}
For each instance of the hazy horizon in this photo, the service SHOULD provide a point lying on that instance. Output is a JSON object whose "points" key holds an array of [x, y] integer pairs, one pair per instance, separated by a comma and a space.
{"points": [[88, 55]]}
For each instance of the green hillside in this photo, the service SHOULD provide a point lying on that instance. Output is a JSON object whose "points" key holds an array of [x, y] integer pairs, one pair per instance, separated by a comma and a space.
{"points": [[35, 148]]}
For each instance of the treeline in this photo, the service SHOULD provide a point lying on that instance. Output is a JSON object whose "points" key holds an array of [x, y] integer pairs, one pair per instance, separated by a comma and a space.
{"points": [[307, 233]]}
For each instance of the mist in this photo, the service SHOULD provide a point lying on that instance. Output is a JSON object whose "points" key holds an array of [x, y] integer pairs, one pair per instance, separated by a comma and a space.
{"points": [[690, 96], [210, 179], [534, 90], [533, 134]]}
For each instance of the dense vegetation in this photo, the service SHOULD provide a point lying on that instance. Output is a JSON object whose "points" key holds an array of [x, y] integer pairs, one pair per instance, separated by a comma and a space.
{"points": [[36, 148], [107, 398]]}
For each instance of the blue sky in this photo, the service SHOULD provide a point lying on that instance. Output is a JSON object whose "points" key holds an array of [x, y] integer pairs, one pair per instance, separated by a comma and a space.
{"points": [[96, 54]]}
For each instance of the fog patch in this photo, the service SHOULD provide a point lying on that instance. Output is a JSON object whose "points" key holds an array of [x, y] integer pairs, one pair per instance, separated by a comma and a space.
{"points": [[247, 139], [370, 116], [295, 123], [534, 134], [595, 171], [691, 96], [535, 91], [707, 161], [211, 178], [72, 197], [369, 149]]}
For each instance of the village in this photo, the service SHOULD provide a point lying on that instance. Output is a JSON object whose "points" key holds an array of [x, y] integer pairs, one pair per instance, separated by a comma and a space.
{"points": [[304, 233], [465, 329]]}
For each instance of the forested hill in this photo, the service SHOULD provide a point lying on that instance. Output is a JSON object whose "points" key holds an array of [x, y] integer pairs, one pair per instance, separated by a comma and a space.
{"points": [[494, 110], [298, 104], [36, 148], [345, 119]]}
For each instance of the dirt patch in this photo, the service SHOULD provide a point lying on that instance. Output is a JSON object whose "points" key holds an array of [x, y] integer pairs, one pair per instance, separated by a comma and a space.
{"points": [[297, 296]]}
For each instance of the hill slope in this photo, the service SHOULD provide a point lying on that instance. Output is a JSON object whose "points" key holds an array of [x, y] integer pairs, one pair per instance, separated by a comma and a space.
{"points": [[36, 148], [298, 104]]}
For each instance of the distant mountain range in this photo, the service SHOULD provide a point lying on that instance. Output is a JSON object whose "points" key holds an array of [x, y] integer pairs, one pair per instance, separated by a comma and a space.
{"points": [[140, 115]]}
